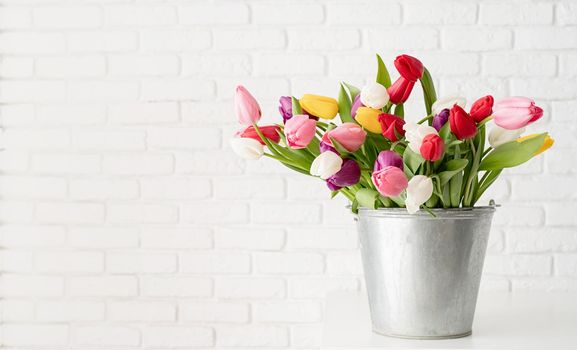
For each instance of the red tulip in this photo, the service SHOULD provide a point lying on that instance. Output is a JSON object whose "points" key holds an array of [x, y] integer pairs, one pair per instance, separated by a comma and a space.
{"points": [[409, 67], [432, 147], [400, 90], [482, 108], [271, 132], [392, 126], [462, 125]]}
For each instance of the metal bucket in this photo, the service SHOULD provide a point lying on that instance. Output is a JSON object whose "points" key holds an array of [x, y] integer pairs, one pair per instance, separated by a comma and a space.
{"points": [[423, 272]]}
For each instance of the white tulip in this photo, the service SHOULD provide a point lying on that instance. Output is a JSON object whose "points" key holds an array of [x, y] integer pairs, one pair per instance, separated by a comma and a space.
{"points": [[374, 95], [247, 148], [326, 165], [415, 133], [419, 191], [499, 135], [448, 103]]}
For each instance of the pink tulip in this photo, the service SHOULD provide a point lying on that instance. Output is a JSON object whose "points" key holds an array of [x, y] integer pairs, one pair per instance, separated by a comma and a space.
{"points": [[390, 181], [300, 131], [349, 135], [246, 108], [513, 113]]}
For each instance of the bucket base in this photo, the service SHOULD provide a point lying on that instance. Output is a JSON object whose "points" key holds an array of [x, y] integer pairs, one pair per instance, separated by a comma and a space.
{"points": [[425, 337]]}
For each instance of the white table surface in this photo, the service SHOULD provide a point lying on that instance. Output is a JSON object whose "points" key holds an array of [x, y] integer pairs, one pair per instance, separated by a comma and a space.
{"points": [[524, 321]]}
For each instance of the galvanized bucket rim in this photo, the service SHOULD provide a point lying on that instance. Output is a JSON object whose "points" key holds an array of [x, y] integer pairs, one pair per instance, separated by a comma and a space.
{"points": [[452, 213]]}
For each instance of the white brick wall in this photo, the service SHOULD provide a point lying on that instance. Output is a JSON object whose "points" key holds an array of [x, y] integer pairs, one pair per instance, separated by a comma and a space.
{"points": [[127, 222]]}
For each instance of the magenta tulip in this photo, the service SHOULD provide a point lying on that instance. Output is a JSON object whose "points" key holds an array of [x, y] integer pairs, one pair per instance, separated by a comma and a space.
{"points": [[299, 131], [388, 158], [440, 119], [356, 104], [246, 108], [513, 113], [349, 175], [350, 135], [390, 181]]}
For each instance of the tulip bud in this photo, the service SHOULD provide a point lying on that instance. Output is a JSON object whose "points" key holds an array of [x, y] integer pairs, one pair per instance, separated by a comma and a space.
{"points": [[271, 132], [432, 147], [419, 190], [499, 136], [392, 126], [374, 95], [326, 165], [448, 103], [388, 158], [320, 106], [415, 133], [390, 181], [409, 67], [369, 119], [349, 135], [516, 112], [356, 104], [246, 108], [462, 125], [400, 91], [285, 107], [482, 108], [299, 131], [440, 119], [325, 147], [247, 148], [349, 175], [547, 143]]}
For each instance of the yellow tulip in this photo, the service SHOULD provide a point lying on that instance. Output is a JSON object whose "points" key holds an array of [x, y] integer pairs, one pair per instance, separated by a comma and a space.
{"points": [[320, 106], [369, 119], [547, 143]]}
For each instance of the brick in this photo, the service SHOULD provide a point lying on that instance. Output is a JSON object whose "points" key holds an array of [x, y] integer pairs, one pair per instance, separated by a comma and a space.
{"points": [[141, 311], [141, 213], [184, 138], [216, 65], [205, 13], [248, 39], [215, 263], [16, 212], [144, 113], [567, 67], [141, 164], [88, 262], [17, 262], [215, 212], [306, 336], [251, 288], [562, 162], [17, 285], [532, 188], [544, 284], [343, 13], [103, 189], [175, 188], [102, 41], [176, 238], [62, 163], [17, 67], [174, 40], [32, 43], [308, 188], [14, 161], [32, 187], [566, 13], [325, 39], [15, 236], [325, 239], [18, 139], [88, 91], [143, 65], [472, 39], [248, 188], [17, 310], [559, 88], [176, 286], [73, 213], [540, 240], [18, 335], [67, 17], [518, 265], [15, 17], [70, 114], [139, 16], [519, 215], [106, 336], [70, 311], [182, 89], [516, 13], [103, 237], [214, 312], [385, 38], [128, 263], [283, 64], [17, 91], [286, 213], [566, 264], [492, 284], [251, 239], [178, 336], [511, 64], [443, 63], [561, 213], [545, 38], [251, 336], [262, 88], [440, 12], [344, 264], [17, 115], [209, 163], [496, 242], [289, 263], [285, 12], [320, 287], [100, 286], [294, 312], [109, 140]]}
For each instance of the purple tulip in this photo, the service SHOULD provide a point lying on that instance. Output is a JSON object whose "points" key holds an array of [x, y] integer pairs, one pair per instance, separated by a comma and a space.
{"points": [[388, 158], [440, 119], [349, 175], [285, 108], [323, 146], [356, 104]]}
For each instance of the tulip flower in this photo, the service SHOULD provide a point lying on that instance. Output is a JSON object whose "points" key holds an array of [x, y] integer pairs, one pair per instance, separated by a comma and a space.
{"points": [[285, 107], [482, 108], [400, 91], [246, 108], [516, 112], [392, 126], [432, 147], [369, 119], [247, 148], [415, 133], [271, 132], [320, 106], [388, 158], [356, 104], [499, 136], [448, 103], [390, 181], [462, 125], [419, 190], [440, 119], [325, 147], [326, 165], [374, 95], [349, 175], [299, 131], [547, 143], [409, 67], [349, 135]]}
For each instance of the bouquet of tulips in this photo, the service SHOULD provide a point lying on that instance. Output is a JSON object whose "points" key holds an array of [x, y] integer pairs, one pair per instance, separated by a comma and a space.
{"points": [[376, 158]]}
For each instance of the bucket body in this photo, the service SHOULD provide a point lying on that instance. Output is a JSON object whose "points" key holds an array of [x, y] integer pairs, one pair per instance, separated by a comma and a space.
{"points": [[422, 272]]}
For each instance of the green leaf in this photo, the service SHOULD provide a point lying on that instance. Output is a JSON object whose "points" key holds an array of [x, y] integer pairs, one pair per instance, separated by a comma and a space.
{"points": [[334, 193], [512, 153], [451, 169], [367, 198], [355, 206], [428, 90], [400, 110], [455, 185], [345, 106], [412, 161], [445, 132], [296, 106], [354, 91], [383, 77]]}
